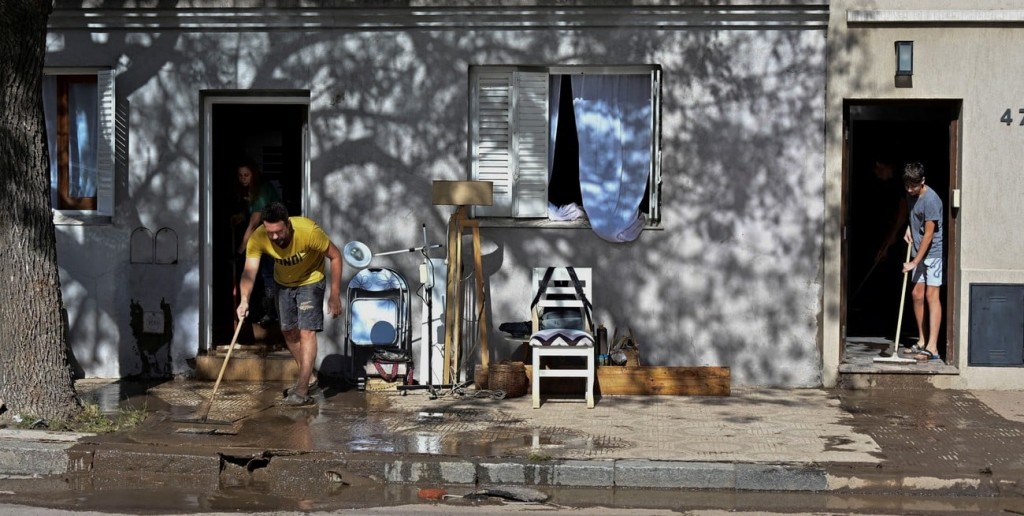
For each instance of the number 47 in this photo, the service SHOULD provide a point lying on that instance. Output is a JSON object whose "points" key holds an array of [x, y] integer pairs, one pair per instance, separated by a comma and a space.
{"points": [[1007, 118]]}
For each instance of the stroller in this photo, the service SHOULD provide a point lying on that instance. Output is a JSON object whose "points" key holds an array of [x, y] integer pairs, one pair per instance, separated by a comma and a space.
{"points": [[379, 328]]}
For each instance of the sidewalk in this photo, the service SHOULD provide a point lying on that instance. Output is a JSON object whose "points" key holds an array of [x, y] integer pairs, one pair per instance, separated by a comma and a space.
{"points": [[878, 440]]}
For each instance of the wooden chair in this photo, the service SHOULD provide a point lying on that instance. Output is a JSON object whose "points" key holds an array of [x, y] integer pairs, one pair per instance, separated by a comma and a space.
{"points": [[562, 326]]}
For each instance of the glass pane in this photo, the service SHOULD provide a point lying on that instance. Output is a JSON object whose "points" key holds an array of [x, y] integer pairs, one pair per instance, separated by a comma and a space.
{"points": [[904, 57], [83, 124], [50, 113], [374, 322]]}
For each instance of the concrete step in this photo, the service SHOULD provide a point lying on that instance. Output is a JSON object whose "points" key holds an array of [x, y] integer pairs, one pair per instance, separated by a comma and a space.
{"points": [[248, 367], [892, 382]]}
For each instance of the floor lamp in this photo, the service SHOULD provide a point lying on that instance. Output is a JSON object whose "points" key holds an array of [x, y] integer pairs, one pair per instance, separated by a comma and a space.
{"points": [[461, 194]]}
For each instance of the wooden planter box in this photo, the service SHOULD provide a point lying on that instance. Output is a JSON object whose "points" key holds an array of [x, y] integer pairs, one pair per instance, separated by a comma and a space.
{"points": [[654, 380]]}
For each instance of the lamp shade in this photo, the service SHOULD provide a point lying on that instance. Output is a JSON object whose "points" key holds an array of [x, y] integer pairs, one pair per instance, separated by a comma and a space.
{"points": [[356, 254], [462, 193]]}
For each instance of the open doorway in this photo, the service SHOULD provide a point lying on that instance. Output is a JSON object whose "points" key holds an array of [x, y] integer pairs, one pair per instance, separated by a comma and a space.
{"points": [[882, 137], [265, 133]]}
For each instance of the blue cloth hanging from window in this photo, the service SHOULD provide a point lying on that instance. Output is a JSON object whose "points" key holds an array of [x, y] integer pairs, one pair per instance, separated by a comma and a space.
{"points": [[613, 121]]}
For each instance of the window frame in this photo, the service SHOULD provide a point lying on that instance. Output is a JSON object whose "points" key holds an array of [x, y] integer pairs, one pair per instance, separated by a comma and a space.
{"points": [[509, 199], [86, 210]]}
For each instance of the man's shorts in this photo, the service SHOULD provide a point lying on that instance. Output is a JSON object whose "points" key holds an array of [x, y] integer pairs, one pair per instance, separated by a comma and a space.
{"points": [[301, 307], [929, 272]]}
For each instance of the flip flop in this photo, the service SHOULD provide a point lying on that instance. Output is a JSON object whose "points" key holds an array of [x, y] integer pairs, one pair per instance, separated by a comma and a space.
{"points": [[912, 350], [927, 356]]}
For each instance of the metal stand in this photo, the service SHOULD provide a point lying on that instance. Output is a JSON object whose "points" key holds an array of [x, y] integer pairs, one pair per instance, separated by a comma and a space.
{"points": [[429, 299]]}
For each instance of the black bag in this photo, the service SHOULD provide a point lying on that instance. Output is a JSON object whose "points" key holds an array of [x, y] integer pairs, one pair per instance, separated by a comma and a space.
{"points": [[516, 329]]}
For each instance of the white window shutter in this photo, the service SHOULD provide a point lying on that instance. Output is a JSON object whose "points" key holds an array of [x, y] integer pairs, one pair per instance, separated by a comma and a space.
{"points": [[509, 140], [491, 137], [530, 145], [105, 144], [654, 187]]}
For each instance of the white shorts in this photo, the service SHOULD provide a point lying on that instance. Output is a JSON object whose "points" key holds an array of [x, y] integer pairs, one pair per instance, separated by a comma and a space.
{"points": [[929, 272]]}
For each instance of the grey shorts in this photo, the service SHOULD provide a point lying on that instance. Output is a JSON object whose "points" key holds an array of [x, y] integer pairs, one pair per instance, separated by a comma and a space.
{"points": [[929, 272], [301, 307]]}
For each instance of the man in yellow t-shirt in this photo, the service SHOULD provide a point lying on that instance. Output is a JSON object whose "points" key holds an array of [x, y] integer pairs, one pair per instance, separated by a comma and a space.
{"points": [[298, 247]]}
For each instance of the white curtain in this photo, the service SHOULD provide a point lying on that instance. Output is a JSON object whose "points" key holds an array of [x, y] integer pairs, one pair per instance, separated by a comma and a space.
{"points": [[82, 135], [83, 131], [613, 124]]}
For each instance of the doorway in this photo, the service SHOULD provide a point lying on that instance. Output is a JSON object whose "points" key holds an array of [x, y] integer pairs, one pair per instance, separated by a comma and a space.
{"points": [[269, 134], [880, 138]]}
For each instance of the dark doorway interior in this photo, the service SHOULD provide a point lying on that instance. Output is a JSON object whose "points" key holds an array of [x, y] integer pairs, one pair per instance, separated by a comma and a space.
{"points": [[882, 139], [270, 135], [564, 186]]}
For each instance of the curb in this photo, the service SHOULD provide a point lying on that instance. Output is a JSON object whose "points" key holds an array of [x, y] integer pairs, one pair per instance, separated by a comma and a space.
{"points": [[599, 473], [36, 452], [614, 473], [39, 453]]}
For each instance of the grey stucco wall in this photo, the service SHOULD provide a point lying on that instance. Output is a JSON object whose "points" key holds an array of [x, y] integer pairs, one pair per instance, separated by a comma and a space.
{"points": [[733, 279]]}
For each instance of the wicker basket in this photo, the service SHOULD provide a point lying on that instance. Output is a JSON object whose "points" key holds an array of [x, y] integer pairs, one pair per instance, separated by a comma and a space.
{"points": [[509, 377]]}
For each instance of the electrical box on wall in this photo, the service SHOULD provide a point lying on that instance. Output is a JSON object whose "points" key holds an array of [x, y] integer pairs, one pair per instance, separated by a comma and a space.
{"points": [[996, 335], [152, 322]]}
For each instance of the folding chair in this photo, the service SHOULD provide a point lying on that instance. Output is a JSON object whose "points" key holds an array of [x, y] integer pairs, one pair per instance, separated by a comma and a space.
{"points": [[379, 324], [562, 327]]}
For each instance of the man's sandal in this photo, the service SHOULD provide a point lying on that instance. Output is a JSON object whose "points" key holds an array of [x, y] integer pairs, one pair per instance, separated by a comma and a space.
{"points": [[312, 390], [294, 400]]}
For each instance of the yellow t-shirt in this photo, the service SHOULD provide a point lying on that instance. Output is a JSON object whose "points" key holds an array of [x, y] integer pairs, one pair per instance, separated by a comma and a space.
{"points": [[302, 262]]}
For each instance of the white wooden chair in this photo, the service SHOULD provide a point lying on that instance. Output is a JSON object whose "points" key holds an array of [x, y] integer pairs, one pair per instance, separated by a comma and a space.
{"points": [[562, 326]]}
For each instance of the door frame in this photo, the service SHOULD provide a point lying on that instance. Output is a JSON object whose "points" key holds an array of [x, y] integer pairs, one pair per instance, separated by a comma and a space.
{"points": [[951, 310], [208, 99]]}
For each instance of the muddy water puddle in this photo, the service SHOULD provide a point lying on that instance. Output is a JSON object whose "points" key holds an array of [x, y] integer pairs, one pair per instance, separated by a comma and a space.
{"points": [[344, 421], [165, 499], [952, 431], [153, 498]]}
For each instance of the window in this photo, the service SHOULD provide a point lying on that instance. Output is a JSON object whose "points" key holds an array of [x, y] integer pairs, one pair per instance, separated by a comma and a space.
{"points": [[79, 110], [562, 140]]}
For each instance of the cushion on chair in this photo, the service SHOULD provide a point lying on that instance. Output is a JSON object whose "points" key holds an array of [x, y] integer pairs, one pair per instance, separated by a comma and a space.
{"points": [[562, 337]]}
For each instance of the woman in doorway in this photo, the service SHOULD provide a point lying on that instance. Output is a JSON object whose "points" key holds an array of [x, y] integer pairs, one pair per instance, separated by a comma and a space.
{"points": [[253, 195]]}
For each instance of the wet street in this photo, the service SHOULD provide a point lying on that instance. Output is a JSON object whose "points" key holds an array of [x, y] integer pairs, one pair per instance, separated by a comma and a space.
{"points": [[947, 452]]}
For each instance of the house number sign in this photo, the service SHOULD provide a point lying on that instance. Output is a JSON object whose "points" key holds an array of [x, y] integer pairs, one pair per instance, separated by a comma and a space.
{"points": [[1007, 118]]}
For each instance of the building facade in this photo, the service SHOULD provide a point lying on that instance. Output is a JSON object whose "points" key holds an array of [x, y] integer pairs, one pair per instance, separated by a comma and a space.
{"points": [[353, 109]]}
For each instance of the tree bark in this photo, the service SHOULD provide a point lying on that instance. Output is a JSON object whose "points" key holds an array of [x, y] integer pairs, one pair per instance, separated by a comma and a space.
{"points": [[35, 377]]}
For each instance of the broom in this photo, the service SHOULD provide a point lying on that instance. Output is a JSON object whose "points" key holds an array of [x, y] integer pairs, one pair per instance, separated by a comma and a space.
{"points": [[205, 410], [893, 359]]}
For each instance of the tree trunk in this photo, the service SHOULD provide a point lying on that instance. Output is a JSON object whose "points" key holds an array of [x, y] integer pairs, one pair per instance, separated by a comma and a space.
{"points": [[35, 379]]}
